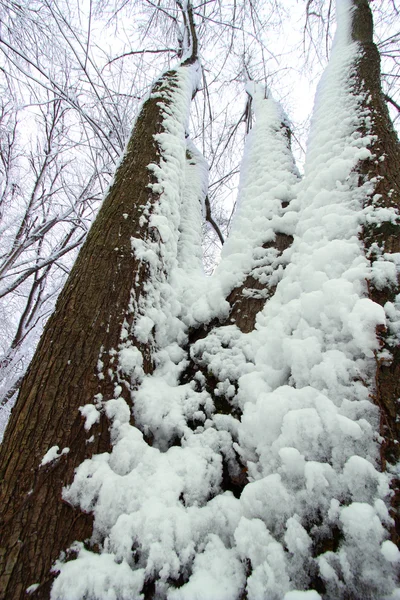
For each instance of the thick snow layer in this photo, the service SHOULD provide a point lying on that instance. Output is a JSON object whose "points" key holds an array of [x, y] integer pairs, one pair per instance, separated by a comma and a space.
{"points": [[302, 428], [104, 578], [91, 415], [268, 179], [172, 217]]}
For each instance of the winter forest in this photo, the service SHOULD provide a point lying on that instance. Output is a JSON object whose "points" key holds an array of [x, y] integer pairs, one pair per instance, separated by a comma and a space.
{"points": [[199, 300]]}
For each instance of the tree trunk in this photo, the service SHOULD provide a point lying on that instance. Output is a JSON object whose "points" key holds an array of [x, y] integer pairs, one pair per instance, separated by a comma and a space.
{"points": [[74, 362], [381, 237]]}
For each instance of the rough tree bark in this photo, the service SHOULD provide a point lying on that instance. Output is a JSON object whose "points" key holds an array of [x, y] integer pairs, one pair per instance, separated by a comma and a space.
{"points": [[64, 375], [381, 240]]}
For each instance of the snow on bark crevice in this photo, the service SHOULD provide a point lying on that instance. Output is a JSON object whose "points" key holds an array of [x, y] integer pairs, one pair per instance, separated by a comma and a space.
{"points": [[313, 515]]}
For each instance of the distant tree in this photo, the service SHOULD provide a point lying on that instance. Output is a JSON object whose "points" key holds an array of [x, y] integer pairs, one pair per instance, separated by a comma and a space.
{"points": [[44, 217], [183, 437]]}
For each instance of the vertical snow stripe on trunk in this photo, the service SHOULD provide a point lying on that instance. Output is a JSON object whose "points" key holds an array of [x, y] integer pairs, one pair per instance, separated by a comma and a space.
{"points": [[251, 259], [188, 278], [190, 256], [158, 309]]}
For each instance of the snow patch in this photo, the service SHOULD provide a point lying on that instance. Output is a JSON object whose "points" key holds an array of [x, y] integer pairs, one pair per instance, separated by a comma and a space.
{"points": [[53, 454]]}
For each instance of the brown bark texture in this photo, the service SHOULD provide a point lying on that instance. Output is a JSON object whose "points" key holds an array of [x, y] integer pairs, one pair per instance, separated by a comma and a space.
{"points": [[249, 298], [35, 524], [383, 238]]}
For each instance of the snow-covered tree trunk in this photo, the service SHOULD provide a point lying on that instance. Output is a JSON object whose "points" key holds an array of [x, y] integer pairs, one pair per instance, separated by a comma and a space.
{"points": [[86, 354], [231, 443], [381, 237], [254, 257]]}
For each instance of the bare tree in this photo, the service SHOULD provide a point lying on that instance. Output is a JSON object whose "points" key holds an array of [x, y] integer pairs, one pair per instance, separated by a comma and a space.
{"points": [[43, 219]]}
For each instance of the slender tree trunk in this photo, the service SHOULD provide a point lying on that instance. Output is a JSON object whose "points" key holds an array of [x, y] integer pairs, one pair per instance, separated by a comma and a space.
{"points": [[73, 363]]}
